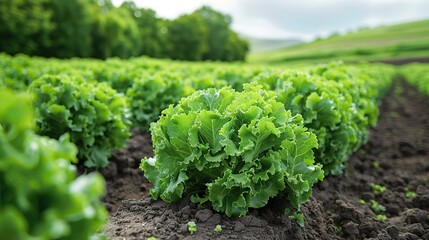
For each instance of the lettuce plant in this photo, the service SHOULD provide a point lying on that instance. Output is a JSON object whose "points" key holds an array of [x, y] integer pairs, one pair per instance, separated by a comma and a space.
{"points": [[94, 115], [234, 149], [338, 104], [40, 197], [151, 94], [326, 109], [417, 74]]}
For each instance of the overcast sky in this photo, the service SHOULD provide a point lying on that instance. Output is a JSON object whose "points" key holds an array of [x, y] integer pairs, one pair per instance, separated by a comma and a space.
{"points": [[297, 18]]}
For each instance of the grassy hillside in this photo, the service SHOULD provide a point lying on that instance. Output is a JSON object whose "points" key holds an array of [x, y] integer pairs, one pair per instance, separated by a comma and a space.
{"points": [[258, 45], [406, 40]]}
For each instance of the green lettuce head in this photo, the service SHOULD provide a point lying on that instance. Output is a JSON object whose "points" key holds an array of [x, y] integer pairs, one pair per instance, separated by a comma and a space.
{"points": [[234, 149]]}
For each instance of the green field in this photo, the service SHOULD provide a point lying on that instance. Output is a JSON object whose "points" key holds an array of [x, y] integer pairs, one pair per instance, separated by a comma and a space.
{"points": [[401, 41]]}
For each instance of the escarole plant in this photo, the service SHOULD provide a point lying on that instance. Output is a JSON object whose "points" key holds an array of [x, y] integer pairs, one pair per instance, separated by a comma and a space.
{"points": [[234, 149], [40, 196], [95, 115]]}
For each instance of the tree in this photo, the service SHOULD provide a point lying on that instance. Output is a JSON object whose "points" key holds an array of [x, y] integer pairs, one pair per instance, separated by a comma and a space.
{"points": [[71, 36], [187, 36], [235, 49], [150, 40], [222, 43], [115, 33], [96, 28], [24, 26], [217, 25]]}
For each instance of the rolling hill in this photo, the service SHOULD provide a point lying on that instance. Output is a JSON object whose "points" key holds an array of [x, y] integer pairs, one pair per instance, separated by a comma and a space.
{"points": [[258, 45], [383, 43]]}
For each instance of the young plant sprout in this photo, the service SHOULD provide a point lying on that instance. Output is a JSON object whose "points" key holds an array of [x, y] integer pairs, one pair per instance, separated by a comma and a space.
{"points": [[192, 227]]}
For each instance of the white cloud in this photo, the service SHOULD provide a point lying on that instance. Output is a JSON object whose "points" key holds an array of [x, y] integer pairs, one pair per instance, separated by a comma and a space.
{"points": [[298, 18], [172, 9]]}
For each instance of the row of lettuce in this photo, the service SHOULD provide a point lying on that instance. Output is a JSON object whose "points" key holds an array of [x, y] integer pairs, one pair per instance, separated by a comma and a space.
{"points": [[255, 134], [98, 102], [417, 74], [40, 196], [284, 132]]}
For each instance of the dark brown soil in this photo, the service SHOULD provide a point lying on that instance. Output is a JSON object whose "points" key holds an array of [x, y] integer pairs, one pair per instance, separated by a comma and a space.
{"points": [[124, 179], [402, 61], [396, 157]]}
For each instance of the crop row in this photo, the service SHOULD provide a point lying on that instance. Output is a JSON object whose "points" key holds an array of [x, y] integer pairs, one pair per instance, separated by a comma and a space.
{"points": [[255, 134], [280, 135], [417, 75], [40, 196], [149, 85]]}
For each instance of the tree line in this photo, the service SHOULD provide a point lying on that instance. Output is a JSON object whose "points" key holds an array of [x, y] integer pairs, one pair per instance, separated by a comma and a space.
{"points": [[98, 29]]}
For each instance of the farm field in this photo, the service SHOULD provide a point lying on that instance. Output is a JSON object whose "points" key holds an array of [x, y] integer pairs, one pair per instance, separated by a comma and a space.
{"points": [[394, 157], [346, 146], [204, 120], [390, 43]]}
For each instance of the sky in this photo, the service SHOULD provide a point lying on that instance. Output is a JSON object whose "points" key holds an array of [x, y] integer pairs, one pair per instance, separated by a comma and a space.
{"points": [[306, 20]]}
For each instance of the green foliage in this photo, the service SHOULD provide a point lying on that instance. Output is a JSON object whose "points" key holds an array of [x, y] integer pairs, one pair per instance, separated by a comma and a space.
{"points": [[152, 94], [25, 26], [217, 25], [94, 115], [151, 40], [381, 217], [71, 35], [375, 164], [378, 189], [339, 231], [81, 28], [410, 194], [417, 75], [187, 37], [298, 217], [218, 229], [192, 227], [338, 104], [362, 202], [115, 33], [295, 215], [222, 43], [39, 195], [399, 41], [377, 207], [235, 48], [234, 149]]}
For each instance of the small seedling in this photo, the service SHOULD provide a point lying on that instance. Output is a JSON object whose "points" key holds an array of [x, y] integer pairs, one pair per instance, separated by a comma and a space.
{"points": [[297, 216], [151, 238], [381, 217], [361, 201], [192, 227], [339, 231], [375, 164], [409, 194], [218, 228], [377, 189], [377, 207]]}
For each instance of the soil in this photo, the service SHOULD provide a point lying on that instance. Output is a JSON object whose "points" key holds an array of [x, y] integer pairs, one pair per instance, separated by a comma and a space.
{"points": [[396, 157], [397, 61], [124, 179], [402, 61]]}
